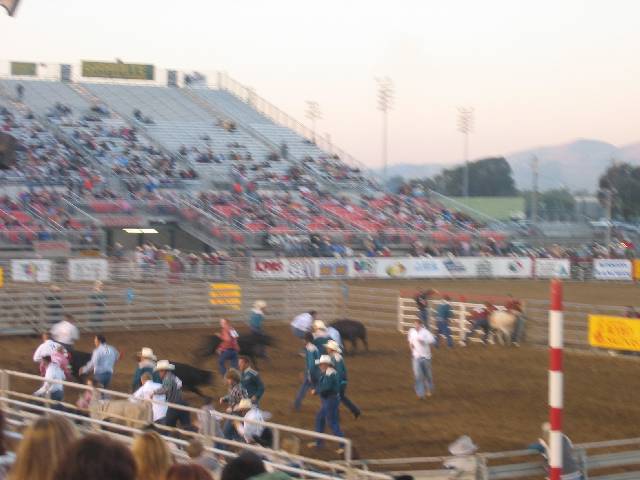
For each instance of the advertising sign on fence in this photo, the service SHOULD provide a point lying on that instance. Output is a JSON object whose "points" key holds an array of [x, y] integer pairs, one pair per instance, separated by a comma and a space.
{"points": [[636, 269], [332, 267], [229, 294], [553, 268], [300, 268], [88, 269], [612, 269], [29, 69], [31, 270], [129, 71], [363, 267], [617, 333], [269, 268]]}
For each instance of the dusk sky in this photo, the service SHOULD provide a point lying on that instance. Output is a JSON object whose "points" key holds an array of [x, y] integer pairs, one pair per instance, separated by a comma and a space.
{"points": [[536, 72]]}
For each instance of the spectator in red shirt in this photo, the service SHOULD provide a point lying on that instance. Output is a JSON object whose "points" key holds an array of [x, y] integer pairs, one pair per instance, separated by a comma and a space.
{"points": [[229, 348]]}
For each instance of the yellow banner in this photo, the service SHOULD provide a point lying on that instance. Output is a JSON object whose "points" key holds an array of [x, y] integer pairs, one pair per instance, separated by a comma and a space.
{"points": [[636, 269], [24, 68], [229, 294], [128, 71], [1, 277], [615, 333]]}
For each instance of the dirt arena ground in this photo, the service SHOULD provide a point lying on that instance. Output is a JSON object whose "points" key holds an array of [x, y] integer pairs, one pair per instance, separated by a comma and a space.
{"points": [[496, 395]]}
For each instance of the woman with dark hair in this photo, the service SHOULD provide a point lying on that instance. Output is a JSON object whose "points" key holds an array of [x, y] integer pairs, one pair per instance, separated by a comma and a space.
{"points": [[6, 458], [187, 471], [96, 457]]}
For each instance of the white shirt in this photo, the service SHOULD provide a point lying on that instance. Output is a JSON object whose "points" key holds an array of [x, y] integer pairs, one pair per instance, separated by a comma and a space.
{"points": [[54, 372], [419, 341], [303, 322], [250, 430], [46, 348], [65, 332], [146, 392]]}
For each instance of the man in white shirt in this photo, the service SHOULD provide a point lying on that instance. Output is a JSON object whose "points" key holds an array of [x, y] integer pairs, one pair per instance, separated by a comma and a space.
{"points": [[55, 391], [146, 392], [65, 332], [302, 323], [419, 341], [249, 431], [47, 348]]}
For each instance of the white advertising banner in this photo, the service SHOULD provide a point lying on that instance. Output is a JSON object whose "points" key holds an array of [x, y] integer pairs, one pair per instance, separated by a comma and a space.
{"points": [[300, 268], [612, 269], [411, 268], [275, 268], [31, 270], [88, 269], [553, 268], [364, 267]]}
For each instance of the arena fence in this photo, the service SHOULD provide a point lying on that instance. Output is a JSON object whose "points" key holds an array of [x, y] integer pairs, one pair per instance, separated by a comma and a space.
{"points": [[20, 408]]}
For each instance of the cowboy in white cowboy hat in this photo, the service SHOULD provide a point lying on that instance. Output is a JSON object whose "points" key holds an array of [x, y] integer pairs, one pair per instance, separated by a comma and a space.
{"points": [[146, 364], [257, 316], [463, 450], [247, 429], [172, 388], [334, 352], [328, 388]]}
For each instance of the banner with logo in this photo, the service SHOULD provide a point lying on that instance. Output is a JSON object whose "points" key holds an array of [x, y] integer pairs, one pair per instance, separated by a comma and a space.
{"points": [[274, 268], [616, 333], [31, 270], [300, 268], [332, 267], [612, 269], [364, 267], [128, 71], [88, 269], [27, 69], [411, 268], [552, 268]]}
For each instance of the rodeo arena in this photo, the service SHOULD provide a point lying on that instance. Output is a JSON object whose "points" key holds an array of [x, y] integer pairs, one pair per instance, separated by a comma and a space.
{"points": [[189, 276]]}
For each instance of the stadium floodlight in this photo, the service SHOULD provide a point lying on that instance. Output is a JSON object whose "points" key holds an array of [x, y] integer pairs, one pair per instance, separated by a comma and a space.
{"points": [[385, 103], [313, 113], [465, 126], [140, 230]]}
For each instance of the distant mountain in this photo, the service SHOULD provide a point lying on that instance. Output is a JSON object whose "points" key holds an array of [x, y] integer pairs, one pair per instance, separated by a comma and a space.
{"points": [[576, 165]]}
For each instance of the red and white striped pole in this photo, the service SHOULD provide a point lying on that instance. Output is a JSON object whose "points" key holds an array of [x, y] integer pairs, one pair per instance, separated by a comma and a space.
{"points": [[556, 344]]}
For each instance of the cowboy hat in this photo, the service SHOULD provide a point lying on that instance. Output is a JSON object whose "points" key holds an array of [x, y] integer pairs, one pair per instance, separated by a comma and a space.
{"points": [[260, 305], [463, 446], [244, 404], [332, 345], [164, 365], [319, 325], [324, 360], [147, 353]]}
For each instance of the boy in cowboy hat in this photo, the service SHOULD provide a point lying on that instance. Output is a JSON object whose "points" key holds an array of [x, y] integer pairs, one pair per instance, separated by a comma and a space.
{"points": [[146, 364], [334, 351], [172, 388], [328, 388]]}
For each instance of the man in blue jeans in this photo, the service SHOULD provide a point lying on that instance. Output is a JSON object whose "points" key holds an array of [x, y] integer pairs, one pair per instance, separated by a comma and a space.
{"points": [[442, 322], [420, 340], [103, 359], [312, 354], [328, 389]]}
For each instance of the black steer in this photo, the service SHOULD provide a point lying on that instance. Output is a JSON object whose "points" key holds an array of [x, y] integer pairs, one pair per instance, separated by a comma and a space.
{"points": [[192, 378], [353, 331]]}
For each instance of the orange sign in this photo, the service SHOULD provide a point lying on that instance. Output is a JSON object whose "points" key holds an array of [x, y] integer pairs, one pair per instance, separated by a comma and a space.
{"points": [[636, 269], [615, 333]]}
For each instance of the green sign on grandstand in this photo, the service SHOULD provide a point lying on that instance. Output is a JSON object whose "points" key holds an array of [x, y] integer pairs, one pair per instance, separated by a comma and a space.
{"points": [[128, 71], [24, 68]]}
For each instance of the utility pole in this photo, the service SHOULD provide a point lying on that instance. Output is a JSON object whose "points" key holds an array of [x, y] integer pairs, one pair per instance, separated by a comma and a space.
{"points": [[608, 192], [313, 113], [385, 103], [465, 126], [534, 196]]}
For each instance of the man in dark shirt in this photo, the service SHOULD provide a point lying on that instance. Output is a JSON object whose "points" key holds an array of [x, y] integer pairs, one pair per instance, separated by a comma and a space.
{"points": [[172, 388], [422, 302]]}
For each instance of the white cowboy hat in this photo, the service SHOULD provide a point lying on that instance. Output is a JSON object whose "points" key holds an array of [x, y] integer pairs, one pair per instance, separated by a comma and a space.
{"points": [[319, 325], [147, 353], [324, 359], [332, 345], [244, 404], [164, 365], [463, 446], [260, 305]]}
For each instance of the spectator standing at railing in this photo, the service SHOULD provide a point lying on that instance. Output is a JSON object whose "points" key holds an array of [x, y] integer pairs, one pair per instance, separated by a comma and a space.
{"points": [[442, 322], [103, 360]]}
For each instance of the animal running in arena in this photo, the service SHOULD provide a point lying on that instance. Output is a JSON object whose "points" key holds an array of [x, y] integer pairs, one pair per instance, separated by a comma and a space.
{"points": [[503, 323], [192, 378], [252, 345], [353, 331]]}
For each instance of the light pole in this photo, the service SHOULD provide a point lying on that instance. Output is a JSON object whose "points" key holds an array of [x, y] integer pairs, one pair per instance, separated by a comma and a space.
{"points": [[465, 126], [385, 103], [534, 191], [313, 113]]}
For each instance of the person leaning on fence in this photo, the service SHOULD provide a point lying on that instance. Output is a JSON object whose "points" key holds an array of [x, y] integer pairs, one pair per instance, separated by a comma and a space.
{"points": [[442, 322], [229, 348], [103, 360], [146, 391], [250, 380], [311, 372], [420, 340], [334, 351], [172, 389], [328, 388], [570, 469]]}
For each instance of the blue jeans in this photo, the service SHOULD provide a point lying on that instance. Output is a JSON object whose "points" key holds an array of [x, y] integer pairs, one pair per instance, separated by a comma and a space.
{"points": [[443, 330], [329, 413], [423, 375], [353, 408], [104, 378], [306, 385], [230, 355]]}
